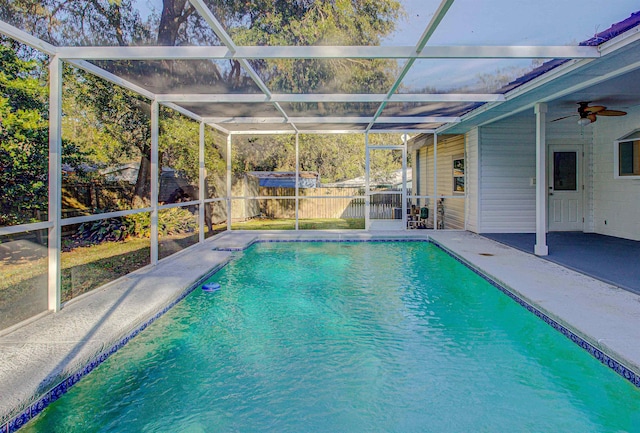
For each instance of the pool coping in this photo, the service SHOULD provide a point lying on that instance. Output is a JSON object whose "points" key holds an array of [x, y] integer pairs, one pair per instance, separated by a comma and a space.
{"points": [[17, 418]]}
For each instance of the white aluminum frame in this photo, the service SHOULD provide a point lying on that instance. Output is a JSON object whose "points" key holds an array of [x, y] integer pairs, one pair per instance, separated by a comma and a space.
{"points": [[540, 247], [55, 179], [202, 174], [243, 53], [155, 112]]}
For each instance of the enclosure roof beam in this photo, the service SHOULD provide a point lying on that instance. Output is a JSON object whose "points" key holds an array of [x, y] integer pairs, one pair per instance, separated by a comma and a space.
{"points": [[326, 52], [215, 25], [337, 131], [115, 79], [27, 39], [337, 120], [439, 14], [346, 97]]}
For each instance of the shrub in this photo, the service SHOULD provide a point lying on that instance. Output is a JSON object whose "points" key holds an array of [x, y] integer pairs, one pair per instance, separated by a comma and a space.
{"points": [[170, 221], [110, 229], [176, 220]]}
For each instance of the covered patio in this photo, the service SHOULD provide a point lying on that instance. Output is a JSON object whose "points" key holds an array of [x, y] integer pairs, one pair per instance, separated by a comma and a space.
{"points": [[606, 258]]}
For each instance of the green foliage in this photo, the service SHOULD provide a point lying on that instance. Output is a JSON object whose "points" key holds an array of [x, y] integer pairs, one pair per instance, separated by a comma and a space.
{"points": [[179, 144], [170, 222], [110, 229], [24, 135], [140, 224], [176, 220], [335, 157]]}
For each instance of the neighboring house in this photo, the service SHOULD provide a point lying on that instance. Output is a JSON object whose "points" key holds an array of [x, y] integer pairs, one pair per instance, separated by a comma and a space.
{"points": [[394, 181], [122, 173], [286, 179], [591, 168]]}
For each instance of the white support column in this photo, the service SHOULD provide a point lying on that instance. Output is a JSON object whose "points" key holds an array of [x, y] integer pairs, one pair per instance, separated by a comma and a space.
{"points": [[155, 127], [541, 248], [404, 181], [435, 181], [55, 189], [367, 197], [297, 179], [229, 182], [202, 174]]}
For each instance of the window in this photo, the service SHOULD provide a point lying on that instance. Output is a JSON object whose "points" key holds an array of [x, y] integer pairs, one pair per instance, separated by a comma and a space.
{"points": [[458, 174], [627, 156]]}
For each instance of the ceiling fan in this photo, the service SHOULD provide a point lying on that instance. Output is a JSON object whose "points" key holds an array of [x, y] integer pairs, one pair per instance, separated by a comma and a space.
{"points": [[589, 114]]}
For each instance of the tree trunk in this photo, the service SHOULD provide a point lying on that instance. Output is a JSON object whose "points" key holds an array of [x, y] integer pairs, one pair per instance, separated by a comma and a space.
{"points": [[142, 190], [207, 206], [173, 15]]}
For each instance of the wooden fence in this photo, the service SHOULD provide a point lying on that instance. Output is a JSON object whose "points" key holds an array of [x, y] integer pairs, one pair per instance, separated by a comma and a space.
{"points": [[328, 203]]}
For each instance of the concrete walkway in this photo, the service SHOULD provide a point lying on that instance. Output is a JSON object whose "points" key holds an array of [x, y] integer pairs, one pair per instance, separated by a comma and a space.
{"points": [[37, 356]]}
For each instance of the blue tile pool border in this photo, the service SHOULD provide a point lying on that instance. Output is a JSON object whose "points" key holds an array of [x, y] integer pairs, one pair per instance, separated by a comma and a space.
{"points": [[62, 387], [598, 354], [57, 391], [346, 240]]}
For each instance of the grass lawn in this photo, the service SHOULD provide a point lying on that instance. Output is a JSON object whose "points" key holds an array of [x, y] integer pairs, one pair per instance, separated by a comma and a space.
{"points": [[304, 224]]}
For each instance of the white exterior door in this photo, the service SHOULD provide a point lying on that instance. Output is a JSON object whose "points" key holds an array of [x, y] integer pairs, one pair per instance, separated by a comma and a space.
{"points": [[565, 188]]}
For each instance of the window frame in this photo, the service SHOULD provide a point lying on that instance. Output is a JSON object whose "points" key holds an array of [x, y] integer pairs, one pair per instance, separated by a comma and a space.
{"points": [[631, 137], [462, 176]]}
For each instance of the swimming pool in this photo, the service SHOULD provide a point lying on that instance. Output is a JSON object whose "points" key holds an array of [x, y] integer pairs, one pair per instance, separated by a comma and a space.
{"points": [[347, 337]]}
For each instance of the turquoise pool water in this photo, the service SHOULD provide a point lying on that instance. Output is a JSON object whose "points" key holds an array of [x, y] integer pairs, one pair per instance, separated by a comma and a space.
{"points": [[347, 337]]}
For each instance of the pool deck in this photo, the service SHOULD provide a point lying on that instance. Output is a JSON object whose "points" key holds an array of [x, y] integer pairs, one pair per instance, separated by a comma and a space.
{"points": [[39, 355]]}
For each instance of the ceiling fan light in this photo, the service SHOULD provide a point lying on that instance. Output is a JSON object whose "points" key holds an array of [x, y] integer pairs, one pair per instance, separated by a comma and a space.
{"points": [[584, 121]]}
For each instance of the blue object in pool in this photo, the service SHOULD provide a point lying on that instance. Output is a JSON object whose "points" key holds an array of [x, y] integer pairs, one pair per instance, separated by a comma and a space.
{"points": [[211, 287]]}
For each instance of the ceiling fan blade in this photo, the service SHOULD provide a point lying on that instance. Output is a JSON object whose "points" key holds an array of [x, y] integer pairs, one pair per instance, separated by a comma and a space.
{"points": [[565, 117], [592, 117], [611, 113], [594, 109]]}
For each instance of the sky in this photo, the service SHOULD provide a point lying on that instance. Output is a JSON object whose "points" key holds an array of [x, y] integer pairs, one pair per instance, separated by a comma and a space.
{"points": [[500, 22], [490, 22]]}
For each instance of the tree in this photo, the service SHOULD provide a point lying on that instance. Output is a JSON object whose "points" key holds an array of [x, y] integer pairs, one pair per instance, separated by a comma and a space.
{"points": [[304, 22], [23, 138], [24, 135]]}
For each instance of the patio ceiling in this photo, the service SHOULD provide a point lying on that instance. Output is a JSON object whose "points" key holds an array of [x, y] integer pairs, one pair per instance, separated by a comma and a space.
{"points": [[452, 65]]}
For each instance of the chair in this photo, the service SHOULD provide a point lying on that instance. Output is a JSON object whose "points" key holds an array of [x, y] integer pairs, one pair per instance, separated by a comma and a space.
{"points": [[423, 217]]}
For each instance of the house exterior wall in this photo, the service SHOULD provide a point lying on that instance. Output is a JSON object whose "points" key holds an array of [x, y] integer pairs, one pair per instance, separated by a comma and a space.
{"points": [[506, 155], [501, 162], [616, 202], [452, 213]]}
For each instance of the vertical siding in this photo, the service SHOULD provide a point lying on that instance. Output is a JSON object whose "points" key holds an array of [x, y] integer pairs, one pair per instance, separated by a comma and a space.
{"points": [[616, 201], [472, 181], [507, 155]]}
